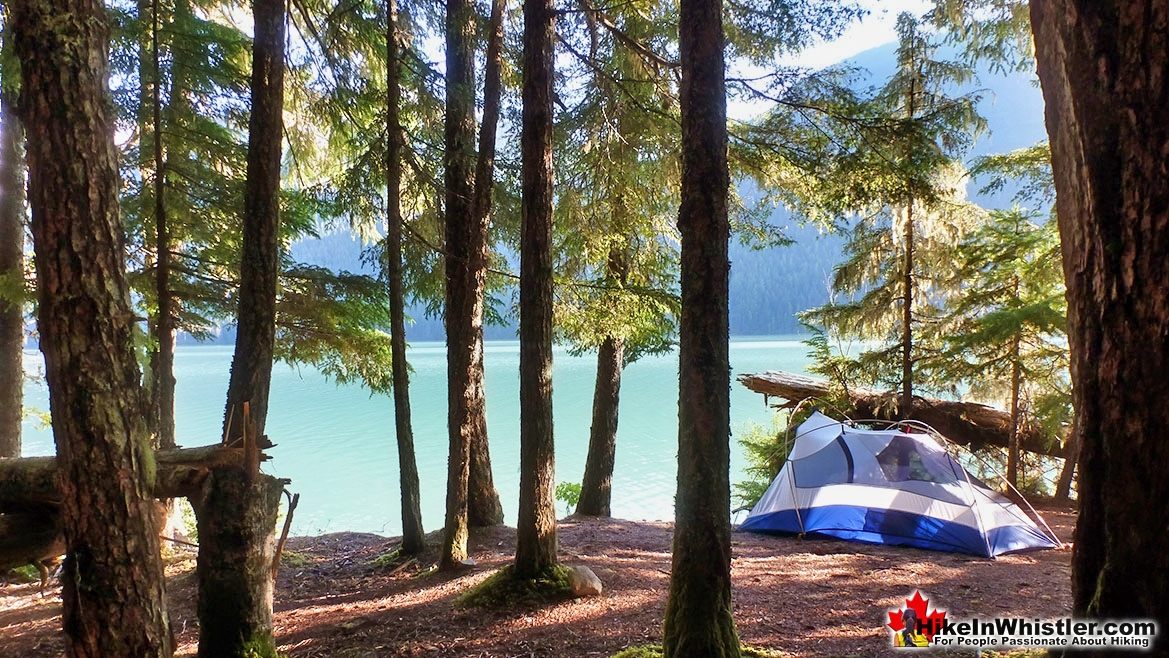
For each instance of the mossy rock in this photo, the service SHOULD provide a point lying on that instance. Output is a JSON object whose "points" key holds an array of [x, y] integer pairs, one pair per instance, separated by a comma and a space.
{"points": [[504, 590], [655, 651]]}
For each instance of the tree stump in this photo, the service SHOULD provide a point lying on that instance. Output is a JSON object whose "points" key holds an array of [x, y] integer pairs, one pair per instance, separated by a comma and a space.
{"points": [[236, 517]]}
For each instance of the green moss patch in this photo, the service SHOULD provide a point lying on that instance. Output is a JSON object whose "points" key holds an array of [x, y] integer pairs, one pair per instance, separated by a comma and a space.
{"points": [[503, 589], [655, 651]]}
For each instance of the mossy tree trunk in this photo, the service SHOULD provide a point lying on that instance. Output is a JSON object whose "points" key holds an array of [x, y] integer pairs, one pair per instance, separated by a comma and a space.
{"points": [[413, 538], [1105, 77], [11, 266], [536, 524], [236, 518], [483, 505], [466, 259], [698, 612], [112, 592]]}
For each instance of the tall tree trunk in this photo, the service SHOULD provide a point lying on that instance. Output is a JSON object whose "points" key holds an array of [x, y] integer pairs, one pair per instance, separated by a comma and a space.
{"points": [[238, 511], [596, 489], [483, 505], [698, 612], [907, 318], [12, 270], [164, 324], [1105, 79], [112, 591], [466, 259], [536, 521], [413, 539], [251, 364], [1016, 385]]}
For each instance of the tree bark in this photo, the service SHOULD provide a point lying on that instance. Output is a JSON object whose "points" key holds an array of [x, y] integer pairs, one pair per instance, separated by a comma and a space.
{"points": [[413, 537], [536, 521], [698, 612], [251, 364], [236, 518], [113, 594], [238, 511], [596, 489], [483, 505], [1102, 65], [466, 260], [164, 322], [12, 270]]}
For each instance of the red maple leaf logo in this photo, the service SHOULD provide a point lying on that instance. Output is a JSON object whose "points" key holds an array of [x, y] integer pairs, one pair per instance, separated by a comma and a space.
{"points": [[917, 608]]}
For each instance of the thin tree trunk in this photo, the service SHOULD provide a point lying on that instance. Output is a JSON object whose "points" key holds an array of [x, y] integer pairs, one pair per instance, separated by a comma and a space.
{"points": [[536, 524], [466, 258], [12, 270], [413, 539], [1063, 486], [251, 364], [483, 505], [1102, 65], [907, 318], [112, 591], [1016, 385], [596, 489], [698, 613], [164, 324]]}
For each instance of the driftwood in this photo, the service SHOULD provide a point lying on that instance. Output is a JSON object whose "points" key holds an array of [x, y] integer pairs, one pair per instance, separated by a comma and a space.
{"points": [[30, 482], [965, 423]]}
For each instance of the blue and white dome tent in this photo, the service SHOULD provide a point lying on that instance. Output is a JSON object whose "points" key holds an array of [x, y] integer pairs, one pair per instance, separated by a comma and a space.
{"points": [[890, 487]]}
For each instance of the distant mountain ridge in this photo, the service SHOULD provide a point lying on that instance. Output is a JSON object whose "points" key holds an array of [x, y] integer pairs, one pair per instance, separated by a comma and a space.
{"points": [[769, 287]]}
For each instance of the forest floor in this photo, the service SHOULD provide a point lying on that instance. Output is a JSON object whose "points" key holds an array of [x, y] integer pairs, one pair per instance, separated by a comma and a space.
{"points": [[798, 597]]}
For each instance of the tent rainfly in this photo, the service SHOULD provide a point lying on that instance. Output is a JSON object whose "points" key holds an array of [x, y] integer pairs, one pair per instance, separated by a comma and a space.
{"points": [[889, 487]]}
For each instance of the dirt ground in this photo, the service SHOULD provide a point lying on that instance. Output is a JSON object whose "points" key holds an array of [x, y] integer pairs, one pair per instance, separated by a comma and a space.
{"points": [[801, 597]]}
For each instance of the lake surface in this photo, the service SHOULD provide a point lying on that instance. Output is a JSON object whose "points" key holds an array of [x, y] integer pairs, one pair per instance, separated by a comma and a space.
{"points": [[336, 443]]}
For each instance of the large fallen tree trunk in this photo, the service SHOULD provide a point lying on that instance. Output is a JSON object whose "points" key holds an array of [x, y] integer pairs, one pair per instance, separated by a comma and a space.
{"points": [[31, 482], [965, 423]]}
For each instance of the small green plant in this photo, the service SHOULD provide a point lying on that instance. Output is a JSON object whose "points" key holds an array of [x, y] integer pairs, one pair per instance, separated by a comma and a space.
{"points": [[187, 518], [387, 560], [569, 492], [294, 559], [503, 590]]}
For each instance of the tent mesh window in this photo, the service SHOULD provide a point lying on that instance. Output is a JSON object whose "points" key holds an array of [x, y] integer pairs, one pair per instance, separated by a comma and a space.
{"points": [[901, 461]]}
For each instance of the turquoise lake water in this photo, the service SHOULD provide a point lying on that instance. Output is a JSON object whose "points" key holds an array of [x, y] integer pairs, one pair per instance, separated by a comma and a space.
{"points": [[336, 443]]}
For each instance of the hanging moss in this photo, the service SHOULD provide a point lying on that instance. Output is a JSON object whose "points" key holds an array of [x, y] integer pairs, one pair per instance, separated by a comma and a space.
{"points": [[504, 590]]}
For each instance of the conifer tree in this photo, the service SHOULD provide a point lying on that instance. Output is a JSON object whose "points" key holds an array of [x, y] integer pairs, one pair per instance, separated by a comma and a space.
{"points": [[911, 210]]}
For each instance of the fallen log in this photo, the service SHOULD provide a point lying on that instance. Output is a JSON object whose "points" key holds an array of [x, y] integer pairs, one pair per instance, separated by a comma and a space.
{"points": [[30, 482], [965, 423]]}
